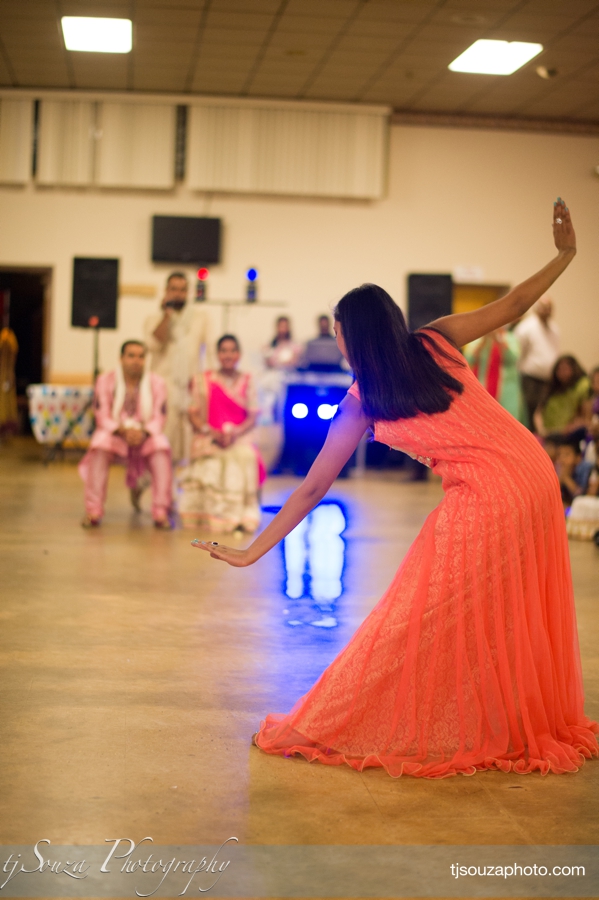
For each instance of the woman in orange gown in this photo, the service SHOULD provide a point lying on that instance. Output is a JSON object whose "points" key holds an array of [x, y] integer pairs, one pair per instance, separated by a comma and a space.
{"points": [[470, 660]]}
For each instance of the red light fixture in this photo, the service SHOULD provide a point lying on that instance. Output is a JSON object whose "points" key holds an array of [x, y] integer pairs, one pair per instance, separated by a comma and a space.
{"points": [[201, 284]]}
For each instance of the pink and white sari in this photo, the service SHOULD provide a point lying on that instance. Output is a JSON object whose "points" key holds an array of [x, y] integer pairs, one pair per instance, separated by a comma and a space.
{"points": [[219, 488]]}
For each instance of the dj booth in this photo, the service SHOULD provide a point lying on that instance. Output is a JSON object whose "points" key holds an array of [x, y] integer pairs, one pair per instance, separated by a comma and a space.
{"points": [[309, 403]]}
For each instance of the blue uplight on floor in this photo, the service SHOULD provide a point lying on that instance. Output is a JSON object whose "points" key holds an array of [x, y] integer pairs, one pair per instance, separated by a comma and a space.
{"points": [[314, 557]]}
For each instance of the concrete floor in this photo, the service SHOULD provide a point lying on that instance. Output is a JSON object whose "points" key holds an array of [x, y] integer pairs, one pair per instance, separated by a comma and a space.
{"points": [[134, 670]]}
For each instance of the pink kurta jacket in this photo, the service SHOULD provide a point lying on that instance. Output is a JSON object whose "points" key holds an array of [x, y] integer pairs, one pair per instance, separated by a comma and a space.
{"points": [[104, 437]]}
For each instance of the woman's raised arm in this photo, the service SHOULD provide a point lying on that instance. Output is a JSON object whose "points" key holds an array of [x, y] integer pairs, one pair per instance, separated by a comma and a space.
{"points": [[344, 435], [465, 327]]}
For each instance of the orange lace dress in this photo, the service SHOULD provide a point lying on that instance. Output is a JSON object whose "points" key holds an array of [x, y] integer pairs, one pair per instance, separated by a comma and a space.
{"points": [[470, 660]]}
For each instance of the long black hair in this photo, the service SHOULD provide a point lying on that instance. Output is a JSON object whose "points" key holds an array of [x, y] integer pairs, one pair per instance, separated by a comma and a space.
{"points": [[397, 376], [275, 340], [558, 387]]}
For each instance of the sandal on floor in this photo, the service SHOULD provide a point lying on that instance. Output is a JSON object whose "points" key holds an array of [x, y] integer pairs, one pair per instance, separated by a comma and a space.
{"points": [[163, 524], [88, 522]]}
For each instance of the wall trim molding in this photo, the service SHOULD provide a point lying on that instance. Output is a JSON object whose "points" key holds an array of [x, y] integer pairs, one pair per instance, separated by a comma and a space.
{"points": [[583, 127], [141, 97]]}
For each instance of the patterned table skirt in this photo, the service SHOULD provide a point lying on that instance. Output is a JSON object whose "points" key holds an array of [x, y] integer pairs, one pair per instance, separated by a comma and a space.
{"points": [[61, 413]]}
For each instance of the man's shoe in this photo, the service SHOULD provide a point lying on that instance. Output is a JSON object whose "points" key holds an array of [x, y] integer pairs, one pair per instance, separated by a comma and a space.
{"points": [[163, 524], [88, 522]]}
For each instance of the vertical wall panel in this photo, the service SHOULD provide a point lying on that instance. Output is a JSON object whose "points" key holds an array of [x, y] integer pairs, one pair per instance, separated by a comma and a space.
{"points": [[137, 145], [66, 142], [287, 151], [16, 141]]}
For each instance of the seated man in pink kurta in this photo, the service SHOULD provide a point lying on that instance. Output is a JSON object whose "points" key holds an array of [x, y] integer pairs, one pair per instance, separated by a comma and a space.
{"points": [[130, 410]]}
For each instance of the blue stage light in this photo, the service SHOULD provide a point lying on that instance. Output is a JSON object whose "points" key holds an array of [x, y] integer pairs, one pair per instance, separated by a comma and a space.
{"points": [[299, 410], [306, 433], [326, 410], [252, 274]]}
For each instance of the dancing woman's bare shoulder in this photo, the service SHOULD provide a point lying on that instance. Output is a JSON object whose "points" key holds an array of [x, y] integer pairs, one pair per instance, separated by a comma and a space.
{"points": [[465, 327]]}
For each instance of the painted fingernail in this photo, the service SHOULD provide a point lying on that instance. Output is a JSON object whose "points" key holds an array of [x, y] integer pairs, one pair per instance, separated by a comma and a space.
{"points": [[195, 541]]}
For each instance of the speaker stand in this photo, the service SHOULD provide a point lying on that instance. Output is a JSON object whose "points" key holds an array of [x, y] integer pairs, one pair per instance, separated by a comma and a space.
{"points": [[94, 323], [96, 354]]}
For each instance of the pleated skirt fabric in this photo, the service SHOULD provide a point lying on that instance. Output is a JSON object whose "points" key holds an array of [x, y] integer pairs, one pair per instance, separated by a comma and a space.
{"points": [[470, 660]]}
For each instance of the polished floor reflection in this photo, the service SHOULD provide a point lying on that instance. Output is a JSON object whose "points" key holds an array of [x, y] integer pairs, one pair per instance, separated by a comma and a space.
{"points": [[135, 669], [314, 555]]}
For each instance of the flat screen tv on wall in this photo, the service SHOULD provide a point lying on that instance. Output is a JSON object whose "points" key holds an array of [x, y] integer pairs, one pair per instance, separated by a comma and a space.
{"points": [[185, 239]]}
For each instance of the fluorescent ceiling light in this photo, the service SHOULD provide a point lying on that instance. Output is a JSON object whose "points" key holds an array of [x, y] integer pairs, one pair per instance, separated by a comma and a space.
{"points": [[495, 57], [97, 35]]}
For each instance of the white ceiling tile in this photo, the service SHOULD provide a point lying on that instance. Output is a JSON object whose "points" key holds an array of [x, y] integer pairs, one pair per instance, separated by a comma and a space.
{"points": [[253, 21], [482, 6], [249, 6], [151, 34], [381, 47], [326, 25], [588, 111], [237, 37], [587, 44], [109, 8], [47, 75], [306, 40], [167, 18], [380, 28], [396, 11], [574, 8], [342, 8]]}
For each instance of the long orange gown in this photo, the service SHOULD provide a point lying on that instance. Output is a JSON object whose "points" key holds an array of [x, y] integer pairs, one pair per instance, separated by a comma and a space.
{"points": [[470, 660]]}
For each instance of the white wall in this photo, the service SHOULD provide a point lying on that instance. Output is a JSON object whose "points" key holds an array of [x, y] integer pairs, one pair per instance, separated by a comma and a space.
{"points": [[456, 197]]}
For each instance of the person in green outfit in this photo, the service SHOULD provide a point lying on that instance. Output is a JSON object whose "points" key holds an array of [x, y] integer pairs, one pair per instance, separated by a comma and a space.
{"points": [[562, 411], [494, 360]]}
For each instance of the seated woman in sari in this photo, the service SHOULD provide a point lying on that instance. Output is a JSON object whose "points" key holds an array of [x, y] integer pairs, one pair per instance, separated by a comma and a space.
{"points": [[563, 410], [219, 488]]}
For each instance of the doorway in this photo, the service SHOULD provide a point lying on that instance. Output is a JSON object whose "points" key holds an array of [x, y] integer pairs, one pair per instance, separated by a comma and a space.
{"points": [[25, 309], [468, 297]]}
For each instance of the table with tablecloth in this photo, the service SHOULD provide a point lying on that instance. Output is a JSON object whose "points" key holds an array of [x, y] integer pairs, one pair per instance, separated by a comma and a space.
{"points": [[60, 413]]}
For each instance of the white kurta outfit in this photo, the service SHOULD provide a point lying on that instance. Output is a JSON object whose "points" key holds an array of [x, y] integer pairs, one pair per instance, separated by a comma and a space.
{"points": [[539, 346], [177, 361]]}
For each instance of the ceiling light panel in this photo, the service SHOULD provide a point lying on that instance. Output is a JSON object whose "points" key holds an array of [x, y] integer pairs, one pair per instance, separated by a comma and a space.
{"points": [[495, 57], [97, 35]]}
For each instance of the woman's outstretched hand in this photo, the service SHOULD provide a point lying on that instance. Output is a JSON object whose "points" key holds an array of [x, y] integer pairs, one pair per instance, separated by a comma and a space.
{"points": [[239, 558], [563, 230]]}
